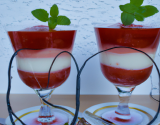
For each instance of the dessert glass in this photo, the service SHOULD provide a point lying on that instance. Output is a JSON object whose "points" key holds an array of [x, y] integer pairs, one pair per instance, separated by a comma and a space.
{"points": [[39, 47], [124, 67]]}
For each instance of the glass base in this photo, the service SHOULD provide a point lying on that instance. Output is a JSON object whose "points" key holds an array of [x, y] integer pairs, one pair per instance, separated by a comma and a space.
{"points": [[30, 116], [112, 116], [100, 109], [60, 119], [46, 119]]}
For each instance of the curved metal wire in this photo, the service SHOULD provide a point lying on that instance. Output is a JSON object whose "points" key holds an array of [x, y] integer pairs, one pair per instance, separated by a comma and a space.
{"points": [[153, 97], [135, 50], [151, 91], [10, 111], [78, 83]]}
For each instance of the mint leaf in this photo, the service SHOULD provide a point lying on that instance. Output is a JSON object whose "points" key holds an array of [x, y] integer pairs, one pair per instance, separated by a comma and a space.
{"points": [[136, 2], [40, 14], [63, 20], [126, 18], [139, 17], [66, 124], [141, 10], [134, 10], [130, 8], [54, 11], [52, 22], [149, 10]]}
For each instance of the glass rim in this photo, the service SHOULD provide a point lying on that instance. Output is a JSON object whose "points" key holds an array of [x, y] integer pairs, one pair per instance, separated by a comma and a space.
{"points": [[21, 27], [115, 25]]}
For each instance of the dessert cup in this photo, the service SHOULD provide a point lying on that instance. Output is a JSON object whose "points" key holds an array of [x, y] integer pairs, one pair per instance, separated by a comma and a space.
{"points": [[36, 67], [126, 68]]}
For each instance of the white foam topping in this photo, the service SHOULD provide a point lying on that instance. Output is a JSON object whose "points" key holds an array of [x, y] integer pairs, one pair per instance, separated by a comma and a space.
{"points": [[42, 65], [128, 61]]}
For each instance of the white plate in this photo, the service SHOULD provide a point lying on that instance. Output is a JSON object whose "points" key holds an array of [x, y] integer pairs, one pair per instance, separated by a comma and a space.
{"points": [[99, 109], [33, 111]]}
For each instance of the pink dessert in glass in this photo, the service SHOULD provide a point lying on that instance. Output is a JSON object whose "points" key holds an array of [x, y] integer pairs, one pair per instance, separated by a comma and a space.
{"points": [[126, 68], [33, 65]]}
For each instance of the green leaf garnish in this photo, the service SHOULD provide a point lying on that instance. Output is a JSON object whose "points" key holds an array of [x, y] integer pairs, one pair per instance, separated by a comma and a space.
{"points": [[130, 8], [149, 11], [136, 2], [54, 20], [141, 9], [134, 10], [139, 17], [54, 11], [63, 20], [40, 14], [127, 18]]}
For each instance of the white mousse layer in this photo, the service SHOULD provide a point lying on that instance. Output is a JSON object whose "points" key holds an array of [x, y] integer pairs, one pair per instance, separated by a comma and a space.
{"points": [[126, 61], [42, 65]]}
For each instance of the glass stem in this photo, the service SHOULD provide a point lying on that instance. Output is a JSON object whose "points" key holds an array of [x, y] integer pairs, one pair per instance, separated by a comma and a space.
{"points": [[122, 110], [45, 112]]}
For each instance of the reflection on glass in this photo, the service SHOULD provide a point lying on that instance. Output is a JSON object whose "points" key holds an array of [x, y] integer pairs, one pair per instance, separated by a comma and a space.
{"points": [[154, 80]]}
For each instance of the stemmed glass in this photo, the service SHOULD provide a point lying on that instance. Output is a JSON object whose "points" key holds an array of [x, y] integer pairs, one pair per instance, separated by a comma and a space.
{"points": [[39, 48], [124, 67]]}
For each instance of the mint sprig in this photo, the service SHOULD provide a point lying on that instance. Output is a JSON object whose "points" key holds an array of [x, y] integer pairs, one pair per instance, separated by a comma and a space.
{"points": [[134, 10], [54, 18]]}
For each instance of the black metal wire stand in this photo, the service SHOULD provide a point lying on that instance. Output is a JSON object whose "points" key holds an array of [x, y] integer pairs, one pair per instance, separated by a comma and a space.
{"points": [[77, 83]]}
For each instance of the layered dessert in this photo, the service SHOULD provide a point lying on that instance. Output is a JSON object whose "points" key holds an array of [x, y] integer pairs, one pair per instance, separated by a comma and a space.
{"points": [[124, 66], [34, 63]]}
